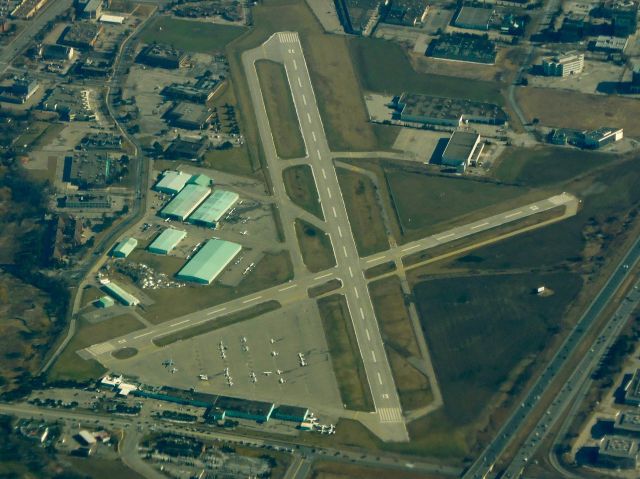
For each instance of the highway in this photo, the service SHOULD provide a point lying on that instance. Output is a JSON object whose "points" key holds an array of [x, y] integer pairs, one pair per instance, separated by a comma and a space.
{"points": [[483, 465]]}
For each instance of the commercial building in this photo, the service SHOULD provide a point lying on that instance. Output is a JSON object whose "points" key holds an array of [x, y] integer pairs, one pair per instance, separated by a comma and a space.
{"points": [[190, 149], [185, 202], [209, 261], [618, 452], [214, 208], [81, 35], [245, 409], [89, 169], [473, 18], [563, 65], [85, 201], [166, 241], [425, 109], [113, 19], [602, 136], [190, 116], [124, 247], [70, 104], [162, 56], [290, 413], [21, 89], [627, 423], [463, 148], [632, 390], [199, 92], [609, 44], [120, 294], [172, 182]]}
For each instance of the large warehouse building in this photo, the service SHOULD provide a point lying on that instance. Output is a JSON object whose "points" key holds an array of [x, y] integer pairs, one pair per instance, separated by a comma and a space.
{"points": [[124, 248], [462, 148], [209, 261], [166, 241], [214, 208], [172, 182], [120, 294], [185, 202]]}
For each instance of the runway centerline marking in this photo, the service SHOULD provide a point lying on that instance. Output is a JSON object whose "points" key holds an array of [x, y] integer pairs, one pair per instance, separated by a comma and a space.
{"points": [[513, 214], [251, 299], [440, 238], [295, 65], [304, 99], [178, 324], [379, 378], [350, 272], [411, 247], [344, 250], [340, 231], [355, 290], [319, 155], [217, 311], [480, 225], [313, 134], [324, 174], [362, 316], [368, 336], [143, 335], [309, 117], [288, 287], [322, 276], [299, 82], [373, 355], [373, 260], [335, 214]]}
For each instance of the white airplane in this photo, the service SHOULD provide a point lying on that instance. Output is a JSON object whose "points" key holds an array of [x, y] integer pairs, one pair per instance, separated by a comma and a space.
{"points": [[282, 380], [230, 383], [203, 377], [301, 358], [274, 353], [174, 370], [226, 372], [168, 362], [279, 372], [253, 377], [272, 341], [244, 339], [266, 373], [223, 355]]}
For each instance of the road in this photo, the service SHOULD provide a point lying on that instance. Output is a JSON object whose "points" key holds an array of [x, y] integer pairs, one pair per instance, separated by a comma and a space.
{"points": [[484, 463]]}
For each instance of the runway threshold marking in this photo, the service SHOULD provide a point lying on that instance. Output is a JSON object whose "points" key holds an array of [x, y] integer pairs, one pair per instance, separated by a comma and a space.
{"points": [[216, 311], [480, 225], [143, 335], [178, 324], [513, 214], [411, 247], [322, 276], [250, 300], [288, 287]]}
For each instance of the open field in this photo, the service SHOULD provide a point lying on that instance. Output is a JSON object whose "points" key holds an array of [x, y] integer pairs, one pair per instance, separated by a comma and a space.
{"points": [[345, 356], [301, 188], [234, 160], [189, 35], [315, 247], [325, 288], [546, 165], [98, 468], [426, 204], [340, 470], [39, 133], [466, 317], [366, 221], [70, 366], [381, 269], [281, 111], [400, 342], [384, 67], [271, 270], [218, 323], [569, 109]]}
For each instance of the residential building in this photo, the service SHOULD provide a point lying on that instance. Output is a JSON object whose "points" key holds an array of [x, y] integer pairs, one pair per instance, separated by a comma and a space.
{"points": [[563, 65], [618, 452]]}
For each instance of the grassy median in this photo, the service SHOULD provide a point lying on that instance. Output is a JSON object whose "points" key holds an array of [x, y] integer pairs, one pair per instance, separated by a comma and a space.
{"points": [[301, 188]]}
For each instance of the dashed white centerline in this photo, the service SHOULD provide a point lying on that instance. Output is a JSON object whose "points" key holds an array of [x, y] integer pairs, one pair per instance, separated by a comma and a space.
{"points": [[319, 155], [350, 272], [513, 214], [480, 225], [344, 250], [440, 238], [313, 134], [373, 260], [288, 287], [304, 99], [201, 321], [362, 316], [217, 311], [251, 299], [379, 378], [299, 82], [143, 335], [295, 65], [322, 276], [335, 214], [340, 232], [355, 290], [373, 356], [309, 117], [324, 174], [329, 192], [411, 247], [178, 324], [368, 336]]}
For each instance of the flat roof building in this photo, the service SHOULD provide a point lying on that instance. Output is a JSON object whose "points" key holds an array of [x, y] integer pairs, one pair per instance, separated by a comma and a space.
{"points": [[185, 202], [124, 247], [290, 413], [52, 51], [602, 136], [166, 241], [86, 438], [632, 390], [473, 18], [245, 409], [114, 19], [462, 148], [435, 110], [81, 35], [92, 9], [209, 261], [162, 56], [105, 302], [609, 44], [214, 208], [190, 116], [618, 452], [627, 423], [563, 65], [172, 182], [120, 294], [199, 92], [191, 149]]}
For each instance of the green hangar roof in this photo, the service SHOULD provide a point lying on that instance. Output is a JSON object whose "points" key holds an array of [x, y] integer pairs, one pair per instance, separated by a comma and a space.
{"points": [[214, 207], [185, 202], [202, 180], [173, 181], [124, 248], [120, 294], [209, 261], [166, 241]]}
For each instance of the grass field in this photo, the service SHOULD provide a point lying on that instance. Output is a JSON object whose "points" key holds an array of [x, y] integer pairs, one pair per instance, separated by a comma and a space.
{"points": [[384, 67], [380, 270], [340, 470], [325, 288], [466, 317], [98, 468], [218, 323], [571, 109], [345, 356], [359, 195], [39, 133], [301, 188], [315, 246], [281, 111], [191, 36], [547, 165], [234, 160], [70, 366], [400, 342], [271, 270], [426, 204]]}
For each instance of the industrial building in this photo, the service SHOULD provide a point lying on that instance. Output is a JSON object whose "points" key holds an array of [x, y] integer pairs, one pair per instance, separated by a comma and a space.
{"points": [[563, 65], [627, 423], [609, 44], [595, 139], [618, 452], [162, 56], [214, 208], [120, 294], [199, 92], [21, 89], [190, 149], [172, 182], [209, 261], [463, 148], [190, 116], [185, 202], [201, 180], [290, 413], [113, 19], [425, 109], [473, 18], [166, 241], [92, 9], [124, 247]]}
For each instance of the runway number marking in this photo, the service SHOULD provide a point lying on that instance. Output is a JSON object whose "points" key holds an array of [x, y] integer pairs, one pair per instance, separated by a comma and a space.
{"points": [[534, 207]]}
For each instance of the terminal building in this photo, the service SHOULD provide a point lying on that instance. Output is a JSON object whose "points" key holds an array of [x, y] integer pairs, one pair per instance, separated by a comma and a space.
{"points": [[124, 248], [433, 110], [214, 208], [463, 148], [166, 241], [618, 452], [209, 261], [185, 202], [564, 65], [172, 182]]}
